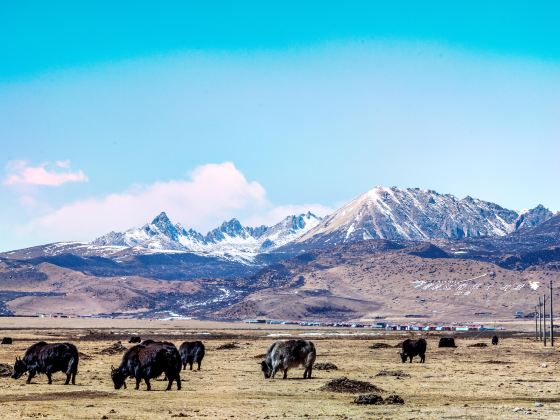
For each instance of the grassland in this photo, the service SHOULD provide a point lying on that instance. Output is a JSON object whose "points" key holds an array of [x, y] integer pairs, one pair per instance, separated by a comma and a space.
{"points": [[465, 382]]}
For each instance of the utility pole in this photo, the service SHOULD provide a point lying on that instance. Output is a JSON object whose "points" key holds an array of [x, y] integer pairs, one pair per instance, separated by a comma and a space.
{"points": [[544, 317], [551, 318], [540, 319], [536, 323]]}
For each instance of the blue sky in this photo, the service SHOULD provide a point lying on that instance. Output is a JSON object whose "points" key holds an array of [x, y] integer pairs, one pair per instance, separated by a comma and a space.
{"points": [[211, 110]]}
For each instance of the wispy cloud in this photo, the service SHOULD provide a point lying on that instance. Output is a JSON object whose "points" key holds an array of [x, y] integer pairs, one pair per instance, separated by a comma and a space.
{"points": [[44, 174]]}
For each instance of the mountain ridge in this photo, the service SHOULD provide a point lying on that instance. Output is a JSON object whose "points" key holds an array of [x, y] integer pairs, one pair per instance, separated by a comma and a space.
{"points": [[415, 214], [229, 240]]}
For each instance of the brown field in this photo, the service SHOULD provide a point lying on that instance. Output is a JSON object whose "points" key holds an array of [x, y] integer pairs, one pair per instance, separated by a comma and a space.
{"points": [[452, 384]]}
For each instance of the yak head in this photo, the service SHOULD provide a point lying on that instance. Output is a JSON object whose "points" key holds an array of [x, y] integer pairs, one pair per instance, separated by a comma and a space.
{"points": [[266, 369], [118, 377], [20, 367], [403, 356]]}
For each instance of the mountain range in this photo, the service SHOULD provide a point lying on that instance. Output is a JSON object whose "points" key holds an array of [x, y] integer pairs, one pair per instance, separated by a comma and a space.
{"points": [[387, 251], [381, 213], [230, 240]]}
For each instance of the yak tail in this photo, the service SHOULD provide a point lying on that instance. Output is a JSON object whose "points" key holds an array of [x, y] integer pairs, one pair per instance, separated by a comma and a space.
{"points": [[310, 359], [73, 365]]}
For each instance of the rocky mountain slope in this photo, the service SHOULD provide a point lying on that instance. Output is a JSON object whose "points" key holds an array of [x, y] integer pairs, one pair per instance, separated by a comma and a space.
{"points": [[415, 214], [381, 279], [231, 240]]}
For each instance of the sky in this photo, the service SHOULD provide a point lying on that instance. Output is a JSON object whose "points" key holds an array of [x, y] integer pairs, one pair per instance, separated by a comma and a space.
{"points": [[111, 112]]}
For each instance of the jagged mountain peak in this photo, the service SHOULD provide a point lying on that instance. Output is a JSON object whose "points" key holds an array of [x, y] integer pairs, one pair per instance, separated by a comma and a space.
{"points": [[532, 217], [161, 218], [230, 240], [414, 214]]}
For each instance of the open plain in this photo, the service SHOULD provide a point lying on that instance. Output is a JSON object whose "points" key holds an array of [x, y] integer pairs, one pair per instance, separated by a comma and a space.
{"points": [[516, 378]]}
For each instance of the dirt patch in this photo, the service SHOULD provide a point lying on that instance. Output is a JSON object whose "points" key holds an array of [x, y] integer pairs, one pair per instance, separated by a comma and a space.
{"points": [[350, 386], [325, 366], [377, 346], [56, 396], [376, 399], [496, 362], [114, 349], [396, 373], [369, 399], [394, 399], [5, 370], [478, 345], [260, 356], [228, 346]]}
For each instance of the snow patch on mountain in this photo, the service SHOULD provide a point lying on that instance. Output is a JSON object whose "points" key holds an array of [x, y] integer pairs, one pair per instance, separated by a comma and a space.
{"points": [[231, 240], [416, 214]]}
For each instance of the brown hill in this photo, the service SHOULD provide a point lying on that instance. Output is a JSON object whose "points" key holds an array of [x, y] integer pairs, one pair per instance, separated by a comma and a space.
{"points": [[393, 284]]}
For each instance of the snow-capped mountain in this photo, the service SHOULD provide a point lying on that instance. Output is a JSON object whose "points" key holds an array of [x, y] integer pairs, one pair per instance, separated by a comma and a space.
{"points": [[415, 214], [231, 240], [530, 218]]}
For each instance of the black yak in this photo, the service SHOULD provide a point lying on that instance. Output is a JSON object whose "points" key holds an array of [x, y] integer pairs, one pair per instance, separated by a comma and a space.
{"points": [[146, 361], [47, 358], [412, 348], [192, 352], [447, 342]]}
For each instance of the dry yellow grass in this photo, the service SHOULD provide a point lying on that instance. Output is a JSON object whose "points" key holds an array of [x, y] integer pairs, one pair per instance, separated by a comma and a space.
{"points": [[454, 383]]}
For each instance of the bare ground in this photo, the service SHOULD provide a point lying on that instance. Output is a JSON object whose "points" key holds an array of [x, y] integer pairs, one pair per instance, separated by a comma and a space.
{"points": [[452, 384]]}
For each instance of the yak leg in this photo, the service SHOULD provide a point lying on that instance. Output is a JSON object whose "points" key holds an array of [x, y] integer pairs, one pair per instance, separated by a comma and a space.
{"points": [[410, 358], [422, 358], [184, 365], [199, 365], [171, 378], [74, 377], [148, 386], [68, 372], [190, 365], [176, 378], [307, 373], [285, 373], [30, 376], [138, 379], [49, 377], [274, 370]]}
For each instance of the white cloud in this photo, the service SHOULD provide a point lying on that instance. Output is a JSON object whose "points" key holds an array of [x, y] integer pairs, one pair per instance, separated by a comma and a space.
{"points": [[211, 194], [63, 163], [20, 172]]}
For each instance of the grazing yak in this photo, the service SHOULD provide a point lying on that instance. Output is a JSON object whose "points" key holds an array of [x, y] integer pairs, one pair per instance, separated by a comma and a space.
{"points": [[146, 361], [7, 340], [191, 352], [288, 354], [47, 358], [135, 339], [447, 342], [495, 340], [412, 348]]}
